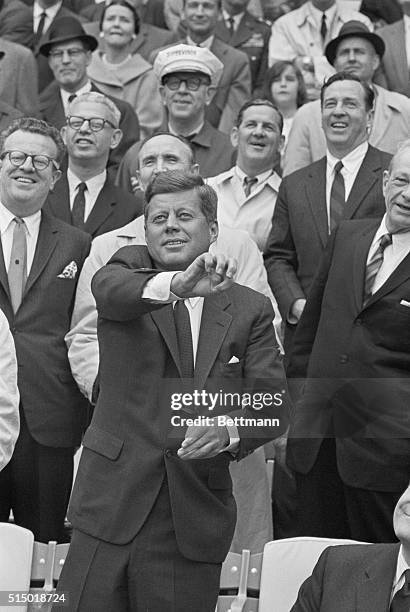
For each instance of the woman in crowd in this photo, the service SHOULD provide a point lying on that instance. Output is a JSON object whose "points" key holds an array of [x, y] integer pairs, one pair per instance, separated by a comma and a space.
{"points": [[119, 73], [285, 87]]}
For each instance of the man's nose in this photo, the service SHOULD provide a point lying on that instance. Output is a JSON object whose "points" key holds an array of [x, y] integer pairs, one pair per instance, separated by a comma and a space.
{"points": [[66, 59], [258, 129], [28, 164], [85, 127], [352, 56], [172, 222]]}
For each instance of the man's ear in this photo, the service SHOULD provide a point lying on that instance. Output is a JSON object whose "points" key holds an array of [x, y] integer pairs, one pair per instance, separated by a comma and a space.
{"points": [[210, 92], [234, 137], [116, 137], [213, 231], [195, 168], [56, 177], [386, 177], [162, 94], [63, 134]]}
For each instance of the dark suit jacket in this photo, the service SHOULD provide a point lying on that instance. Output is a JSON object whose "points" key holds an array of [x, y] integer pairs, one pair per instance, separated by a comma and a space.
{"points": [[53, 406], [148, 39], [388, 10], [52, 110], [16, 22], [213, 150], [251, 37], [18, 77], [300, 227], [353, 578], [112, 209], [394, 73], [130, 445], [356, 362]]}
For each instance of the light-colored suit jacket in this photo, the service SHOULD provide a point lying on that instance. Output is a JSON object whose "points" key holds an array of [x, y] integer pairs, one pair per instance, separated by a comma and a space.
{"points": [[9, 395], [307, 143], [18, 77], [394, 66]]}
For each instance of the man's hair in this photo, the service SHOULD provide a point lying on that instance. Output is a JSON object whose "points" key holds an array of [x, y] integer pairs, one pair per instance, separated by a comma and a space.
{"points": [[259, 102], [346, 76], [403, 146], [98, 98], [184, 141], [34, 126], [177, 181], [128, 6]]}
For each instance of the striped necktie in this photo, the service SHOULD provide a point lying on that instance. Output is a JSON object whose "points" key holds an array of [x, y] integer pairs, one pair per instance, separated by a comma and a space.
{"points": [[401, 600], [248, 183], [374, 266], [337, 196]]}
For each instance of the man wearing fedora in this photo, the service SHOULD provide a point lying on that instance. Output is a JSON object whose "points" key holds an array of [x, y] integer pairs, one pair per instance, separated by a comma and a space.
{"points": [[68, 50], [358, 51]]}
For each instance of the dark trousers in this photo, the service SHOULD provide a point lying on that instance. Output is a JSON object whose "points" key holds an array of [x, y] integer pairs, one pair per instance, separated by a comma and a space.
{"points": [[147, 575], [36, 486], [329, 508]]}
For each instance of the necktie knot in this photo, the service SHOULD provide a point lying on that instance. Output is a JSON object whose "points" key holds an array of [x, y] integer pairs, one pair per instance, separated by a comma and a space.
{"points": [[248, 183], [19, 221], [71, 97], [231, 25], [385, 241], [81, 187], [338, 167]]}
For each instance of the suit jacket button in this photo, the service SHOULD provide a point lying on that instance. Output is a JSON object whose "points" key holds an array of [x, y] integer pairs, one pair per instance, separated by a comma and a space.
{"points": [[168, 452], [344, 358]]}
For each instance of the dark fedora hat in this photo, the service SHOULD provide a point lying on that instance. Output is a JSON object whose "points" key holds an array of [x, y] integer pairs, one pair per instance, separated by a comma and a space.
{"points": [[354, 28], [65, 29]]}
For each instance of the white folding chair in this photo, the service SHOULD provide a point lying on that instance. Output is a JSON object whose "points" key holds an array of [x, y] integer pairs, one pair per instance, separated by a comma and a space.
{"points": [[285, 566], [47, 563], [16, 549]]}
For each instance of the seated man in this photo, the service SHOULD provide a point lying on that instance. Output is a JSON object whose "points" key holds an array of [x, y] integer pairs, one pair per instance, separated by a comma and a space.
{"points": [[169, 482], [362, 578]]}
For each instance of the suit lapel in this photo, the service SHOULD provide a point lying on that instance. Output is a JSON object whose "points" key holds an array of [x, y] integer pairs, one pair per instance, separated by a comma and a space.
{"points": [[374, 586], [59, 200], [243, 33], [398, 276], [164, 320], [46, 243], [364, 181], [4, 281], [214, 326], [102, 208], [316, 195], [359, 263]]}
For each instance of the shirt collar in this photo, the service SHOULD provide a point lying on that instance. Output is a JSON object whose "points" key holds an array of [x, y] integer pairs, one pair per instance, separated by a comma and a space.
{"points": [[187, 136], [51, 11], [402, 566], [205, 43], [6, 218], [406, 19], [317, 14], [66, 94], [350, 160], [94, 184], [268, 176]]}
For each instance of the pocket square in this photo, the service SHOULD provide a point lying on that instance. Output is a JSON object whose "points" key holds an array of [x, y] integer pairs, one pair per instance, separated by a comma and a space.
{"points": [[69, 271], [233, 360], [405, 303]]}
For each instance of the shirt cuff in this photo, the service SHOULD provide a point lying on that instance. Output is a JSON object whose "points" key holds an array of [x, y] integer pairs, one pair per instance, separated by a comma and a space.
{"points": [[158, 288], [234, 440]]}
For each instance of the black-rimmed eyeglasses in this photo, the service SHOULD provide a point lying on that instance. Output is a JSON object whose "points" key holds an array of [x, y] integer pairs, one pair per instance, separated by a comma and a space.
{"points": [[96, 124], [192, 83], [39, 162]]}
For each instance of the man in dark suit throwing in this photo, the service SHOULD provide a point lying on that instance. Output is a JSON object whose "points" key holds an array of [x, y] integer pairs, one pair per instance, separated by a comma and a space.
{"points": [[349, 441], [40, 260], [153, 493], [85, 195]]}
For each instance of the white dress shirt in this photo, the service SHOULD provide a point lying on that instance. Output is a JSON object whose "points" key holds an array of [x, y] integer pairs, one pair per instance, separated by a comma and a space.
{"points": [[207, 43], [393, 254], [65, 95], [351, 166], [9, 395], [402, 566], [406, 20], [236, 19], [94, 186], [50, 12], [32, 226]]}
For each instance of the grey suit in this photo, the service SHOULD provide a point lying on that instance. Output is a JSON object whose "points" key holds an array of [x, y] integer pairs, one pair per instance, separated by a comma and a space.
{"points": [[18, 77], [394, 66]]}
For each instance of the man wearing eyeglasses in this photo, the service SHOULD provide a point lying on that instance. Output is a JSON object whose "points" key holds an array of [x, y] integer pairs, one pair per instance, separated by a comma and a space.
{"points": [[86, 196], [68, 51], [40, 260], [188, 78]]}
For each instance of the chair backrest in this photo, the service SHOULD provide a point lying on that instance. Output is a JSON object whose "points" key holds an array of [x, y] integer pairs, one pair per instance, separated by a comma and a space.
{"points": [[286, 564], [16, 549], [239, 583]]}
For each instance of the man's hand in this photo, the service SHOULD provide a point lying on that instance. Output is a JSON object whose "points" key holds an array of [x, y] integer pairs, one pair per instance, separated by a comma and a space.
{"points": [[297, 309], [207, 274], [203, 441]]}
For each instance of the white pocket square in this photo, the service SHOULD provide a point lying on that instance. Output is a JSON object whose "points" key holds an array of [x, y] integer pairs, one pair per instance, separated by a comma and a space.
{"points": [[233, 360], [405, 303], [69, 271]]}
